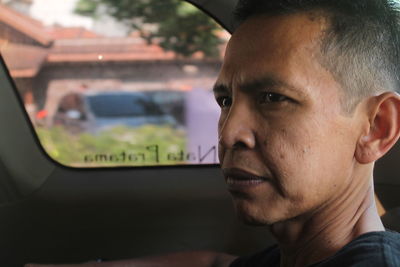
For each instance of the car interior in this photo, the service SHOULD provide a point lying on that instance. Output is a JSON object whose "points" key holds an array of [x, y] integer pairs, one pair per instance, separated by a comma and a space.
{"points": [[53, 213]]}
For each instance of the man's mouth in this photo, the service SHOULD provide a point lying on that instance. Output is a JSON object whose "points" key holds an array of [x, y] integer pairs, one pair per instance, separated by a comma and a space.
{"points": [[238, 178]]}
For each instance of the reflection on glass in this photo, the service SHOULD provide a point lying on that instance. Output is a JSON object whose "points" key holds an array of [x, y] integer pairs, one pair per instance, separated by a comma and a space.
{"points": [[105, 88]]}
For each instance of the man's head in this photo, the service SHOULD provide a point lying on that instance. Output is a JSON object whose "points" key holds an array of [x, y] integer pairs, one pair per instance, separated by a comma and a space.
{"points": [[360, 45], [288, 145]]}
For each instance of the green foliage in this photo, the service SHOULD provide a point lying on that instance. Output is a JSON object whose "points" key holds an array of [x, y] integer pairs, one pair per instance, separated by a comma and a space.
{"points": [[119, 146], [173, 24], [86, 8]]}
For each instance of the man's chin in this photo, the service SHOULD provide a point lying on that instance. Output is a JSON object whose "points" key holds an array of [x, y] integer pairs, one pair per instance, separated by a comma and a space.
{"points": [[252, 222], [253, 219], [252, 214]]}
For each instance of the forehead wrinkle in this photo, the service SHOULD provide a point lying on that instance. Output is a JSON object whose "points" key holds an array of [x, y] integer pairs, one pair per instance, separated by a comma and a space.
{"points": [[227, 79]]}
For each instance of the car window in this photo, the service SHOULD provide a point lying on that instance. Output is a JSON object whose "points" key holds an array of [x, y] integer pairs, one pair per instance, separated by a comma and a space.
{"points": [[107, 83]]}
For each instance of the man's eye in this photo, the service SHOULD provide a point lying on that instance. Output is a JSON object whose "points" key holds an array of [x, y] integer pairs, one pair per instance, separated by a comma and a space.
{"points": [[224, 101], [269, 97]]}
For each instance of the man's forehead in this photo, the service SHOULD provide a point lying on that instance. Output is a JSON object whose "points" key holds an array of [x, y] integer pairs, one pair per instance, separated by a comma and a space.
{"points": [[318, 19], [264, 40], [276, 36]]}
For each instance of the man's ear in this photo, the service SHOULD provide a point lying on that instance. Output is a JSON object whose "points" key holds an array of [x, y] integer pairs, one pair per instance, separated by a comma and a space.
{"points": [[384, 130]]}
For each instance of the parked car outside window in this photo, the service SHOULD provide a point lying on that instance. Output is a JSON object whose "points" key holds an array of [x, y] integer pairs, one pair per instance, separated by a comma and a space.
{"points": [[94, 112]]}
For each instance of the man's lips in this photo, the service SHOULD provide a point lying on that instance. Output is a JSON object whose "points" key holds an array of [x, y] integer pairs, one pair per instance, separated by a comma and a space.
{"points": [[238, 178]]}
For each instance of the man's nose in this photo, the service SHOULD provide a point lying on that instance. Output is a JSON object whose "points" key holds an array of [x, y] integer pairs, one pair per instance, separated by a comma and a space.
{"points": [[236, 128]]}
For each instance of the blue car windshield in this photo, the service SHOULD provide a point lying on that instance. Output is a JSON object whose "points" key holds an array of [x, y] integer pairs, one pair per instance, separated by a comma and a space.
{"points": [[122, 106]]}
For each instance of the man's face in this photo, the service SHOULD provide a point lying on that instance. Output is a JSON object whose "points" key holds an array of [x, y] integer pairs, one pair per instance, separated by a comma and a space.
{"points": [[286, 145]]}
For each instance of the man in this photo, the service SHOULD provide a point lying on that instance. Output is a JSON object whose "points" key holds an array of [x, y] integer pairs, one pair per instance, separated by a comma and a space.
{"points": [[308, 104], [318, 80]]}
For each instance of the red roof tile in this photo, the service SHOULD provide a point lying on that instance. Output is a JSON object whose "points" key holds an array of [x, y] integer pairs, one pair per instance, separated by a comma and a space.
{"points": [[106, 49], [58, 33], [25, 25], [23, 60], [72, 44]]}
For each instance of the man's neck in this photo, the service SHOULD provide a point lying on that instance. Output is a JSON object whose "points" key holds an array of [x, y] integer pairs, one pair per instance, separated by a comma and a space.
{"points": [[315, 237]]}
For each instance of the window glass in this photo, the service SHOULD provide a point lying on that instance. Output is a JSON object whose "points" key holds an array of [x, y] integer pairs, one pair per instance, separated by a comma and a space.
{"points": [[116, 83]]}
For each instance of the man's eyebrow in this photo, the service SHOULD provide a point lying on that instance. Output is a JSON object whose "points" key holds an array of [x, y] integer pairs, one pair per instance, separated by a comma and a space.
{"points": [[266, 82], [220, 88]]}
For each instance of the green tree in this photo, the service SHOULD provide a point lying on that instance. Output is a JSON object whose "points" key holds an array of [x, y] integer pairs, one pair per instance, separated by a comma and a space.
{"points": [[173, 24]]}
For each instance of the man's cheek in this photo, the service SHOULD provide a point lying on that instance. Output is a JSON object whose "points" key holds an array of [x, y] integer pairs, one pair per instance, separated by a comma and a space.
{"points": [[221, 149], [221, 122]]}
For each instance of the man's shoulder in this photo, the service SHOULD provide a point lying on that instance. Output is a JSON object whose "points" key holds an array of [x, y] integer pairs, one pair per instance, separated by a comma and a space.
{"points": [[370, 249], [267, 257]]}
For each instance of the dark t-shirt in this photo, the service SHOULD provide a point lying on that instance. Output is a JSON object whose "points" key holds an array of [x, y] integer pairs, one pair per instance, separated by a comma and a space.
{"points": [[374, 249]]}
